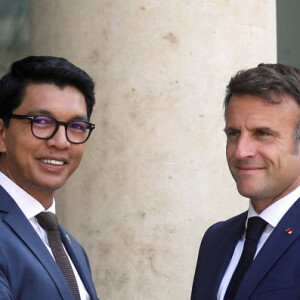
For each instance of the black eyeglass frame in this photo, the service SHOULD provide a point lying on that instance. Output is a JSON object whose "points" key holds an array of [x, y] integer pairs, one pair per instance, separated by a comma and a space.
{"points": [[31, 118]]}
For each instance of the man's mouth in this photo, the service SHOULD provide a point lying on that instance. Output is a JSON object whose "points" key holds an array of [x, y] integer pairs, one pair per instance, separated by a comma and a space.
{"points": [[52, 162], [250, 168]]}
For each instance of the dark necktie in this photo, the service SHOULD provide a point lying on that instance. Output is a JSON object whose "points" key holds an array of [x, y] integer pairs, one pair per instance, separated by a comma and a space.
{"points": [[255, 228], [49, 222]]}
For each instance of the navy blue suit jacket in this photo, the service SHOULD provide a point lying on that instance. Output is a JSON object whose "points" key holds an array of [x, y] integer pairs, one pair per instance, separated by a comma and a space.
{"points": [[273, 275], [27, 269]]}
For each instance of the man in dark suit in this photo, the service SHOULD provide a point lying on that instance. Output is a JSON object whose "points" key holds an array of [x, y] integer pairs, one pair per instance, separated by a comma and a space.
{"points": [[45, 108], [262, 116]]}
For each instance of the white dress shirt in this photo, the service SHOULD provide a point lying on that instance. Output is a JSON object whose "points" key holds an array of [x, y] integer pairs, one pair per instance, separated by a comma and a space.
{"points": [[272, 214], [30, 208]]}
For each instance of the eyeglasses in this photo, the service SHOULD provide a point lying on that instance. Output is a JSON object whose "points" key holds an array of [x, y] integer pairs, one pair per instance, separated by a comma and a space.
{"points": [[45, 127]]}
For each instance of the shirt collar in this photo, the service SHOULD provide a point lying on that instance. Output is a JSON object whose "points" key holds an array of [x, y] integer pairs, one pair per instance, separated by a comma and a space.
{"points": [[29, 205], [274, 213]]}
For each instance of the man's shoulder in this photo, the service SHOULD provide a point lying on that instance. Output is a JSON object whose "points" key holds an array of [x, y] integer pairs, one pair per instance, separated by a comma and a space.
{"points": [[234, 223], [69, 239], [6, 201]]}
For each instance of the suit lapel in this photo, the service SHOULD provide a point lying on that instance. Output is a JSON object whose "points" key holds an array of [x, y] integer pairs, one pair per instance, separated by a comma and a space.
{"points": [[278, 242], [78, 263], [214, 258], [16, 220], [228, 242]]}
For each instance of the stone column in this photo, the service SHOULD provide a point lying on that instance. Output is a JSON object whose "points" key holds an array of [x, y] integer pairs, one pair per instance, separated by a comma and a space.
{"points": [[154, 176]]}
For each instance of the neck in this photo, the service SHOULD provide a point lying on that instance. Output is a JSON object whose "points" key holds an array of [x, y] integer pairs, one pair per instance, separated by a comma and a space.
{"points": [[45, 199]]}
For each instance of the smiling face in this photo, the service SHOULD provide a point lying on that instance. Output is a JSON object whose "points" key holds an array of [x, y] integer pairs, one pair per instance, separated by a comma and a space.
{"points": [[42, 166], [261, 154]]}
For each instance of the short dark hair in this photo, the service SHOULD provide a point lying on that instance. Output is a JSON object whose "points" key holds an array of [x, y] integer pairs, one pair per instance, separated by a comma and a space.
{"points": [[264, 80], [43, 69]]}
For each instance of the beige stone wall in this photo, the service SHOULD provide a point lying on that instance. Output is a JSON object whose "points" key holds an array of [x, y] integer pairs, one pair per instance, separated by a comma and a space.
{"points": [[154, 176]]}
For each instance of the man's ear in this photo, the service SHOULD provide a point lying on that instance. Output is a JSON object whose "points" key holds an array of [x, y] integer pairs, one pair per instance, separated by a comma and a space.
{"points": [[2, 136]]}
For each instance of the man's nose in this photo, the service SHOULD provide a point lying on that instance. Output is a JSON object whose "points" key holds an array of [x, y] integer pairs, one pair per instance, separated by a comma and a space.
{"points": [[245, 147], [59, 139]]}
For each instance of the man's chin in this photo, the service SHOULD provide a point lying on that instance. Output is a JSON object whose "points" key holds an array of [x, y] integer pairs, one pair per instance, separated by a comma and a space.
{"points": [[51, 187], [248, 192]]}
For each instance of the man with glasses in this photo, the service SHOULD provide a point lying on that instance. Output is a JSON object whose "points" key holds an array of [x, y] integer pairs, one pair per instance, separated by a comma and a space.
{"points": [[45, 109]]}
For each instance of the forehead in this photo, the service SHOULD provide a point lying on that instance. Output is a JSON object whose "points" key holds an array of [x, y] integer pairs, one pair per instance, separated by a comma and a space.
{"points": [[254, 109], [53, 99]]}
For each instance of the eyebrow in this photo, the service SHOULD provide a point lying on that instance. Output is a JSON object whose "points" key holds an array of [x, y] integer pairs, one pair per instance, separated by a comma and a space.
{"points": [[267, 129], [226, 129]]}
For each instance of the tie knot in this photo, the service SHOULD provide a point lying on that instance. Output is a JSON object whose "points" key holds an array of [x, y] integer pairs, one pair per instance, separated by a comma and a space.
{"points": [[47, 220], [255, 228]]}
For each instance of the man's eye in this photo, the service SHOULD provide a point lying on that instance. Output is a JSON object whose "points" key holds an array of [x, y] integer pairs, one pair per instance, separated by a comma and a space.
{"points": [[262, 133], [232, 133], [78, 126], [41, 120]]}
